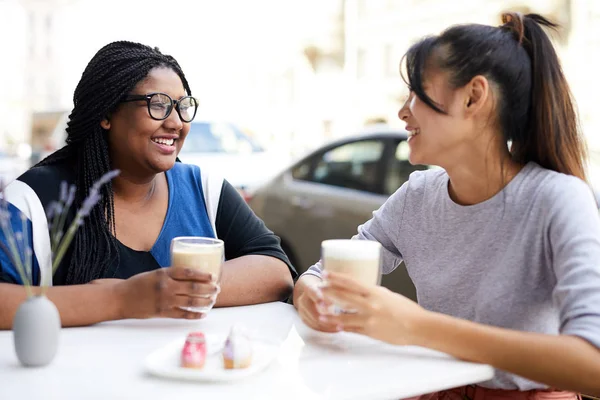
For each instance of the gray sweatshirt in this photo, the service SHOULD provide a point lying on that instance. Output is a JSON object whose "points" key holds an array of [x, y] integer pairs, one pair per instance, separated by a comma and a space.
{"points": [[526, 259]]}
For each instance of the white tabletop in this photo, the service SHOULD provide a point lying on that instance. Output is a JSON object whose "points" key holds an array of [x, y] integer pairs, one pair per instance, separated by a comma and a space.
{"points": [[106, 361]]}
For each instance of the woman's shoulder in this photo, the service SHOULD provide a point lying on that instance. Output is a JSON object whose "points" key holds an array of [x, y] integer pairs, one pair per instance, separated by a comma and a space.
{"points": [[420, 182], [190, 175], [48, 174], [46, 180], [183, 171], [557, 188]]}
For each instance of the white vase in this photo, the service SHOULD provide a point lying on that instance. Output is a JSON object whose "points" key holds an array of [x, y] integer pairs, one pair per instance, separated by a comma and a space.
{"points": [[36, 329]]}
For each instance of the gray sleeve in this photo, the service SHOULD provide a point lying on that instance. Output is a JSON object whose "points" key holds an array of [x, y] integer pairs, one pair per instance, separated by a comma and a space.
{"points": [[384, 228], [574, 237]]}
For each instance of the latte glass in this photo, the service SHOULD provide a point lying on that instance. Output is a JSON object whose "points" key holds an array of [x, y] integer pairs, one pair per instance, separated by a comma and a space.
{"points": [[359, 259], [200, 253]]}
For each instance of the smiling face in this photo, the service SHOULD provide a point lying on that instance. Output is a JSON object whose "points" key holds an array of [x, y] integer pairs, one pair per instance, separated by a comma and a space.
{"points": [[443, 139], [138, 144]]}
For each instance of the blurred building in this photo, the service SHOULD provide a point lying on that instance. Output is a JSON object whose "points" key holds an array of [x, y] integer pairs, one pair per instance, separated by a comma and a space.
{"points": [[380, 31], [293, 73], [32, 77]]}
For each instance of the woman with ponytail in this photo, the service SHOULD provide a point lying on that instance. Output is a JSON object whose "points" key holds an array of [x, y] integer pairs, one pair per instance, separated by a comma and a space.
{"points": [[132, 111], [503, 242]]}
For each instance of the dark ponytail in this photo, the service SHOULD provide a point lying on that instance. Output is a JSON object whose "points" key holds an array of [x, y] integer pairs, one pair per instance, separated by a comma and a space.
{"points": [[535, 107], [554, 139]]}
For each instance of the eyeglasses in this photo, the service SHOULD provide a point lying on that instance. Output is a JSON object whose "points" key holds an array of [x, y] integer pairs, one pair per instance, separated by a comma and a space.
{"points": [[160, 105]]}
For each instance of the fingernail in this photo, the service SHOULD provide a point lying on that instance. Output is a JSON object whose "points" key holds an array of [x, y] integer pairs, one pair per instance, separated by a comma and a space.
{"points": [[325, 274], [318, 292], [321, 308], [322, 318]]}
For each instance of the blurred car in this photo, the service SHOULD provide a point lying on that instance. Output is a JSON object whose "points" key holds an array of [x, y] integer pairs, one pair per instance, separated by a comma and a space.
{"points": [[332, 191], [225, 149]]}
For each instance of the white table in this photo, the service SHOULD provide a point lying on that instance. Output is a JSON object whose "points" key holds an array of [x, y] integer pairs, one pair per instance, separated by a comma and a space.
{"points": [[105, 361]]}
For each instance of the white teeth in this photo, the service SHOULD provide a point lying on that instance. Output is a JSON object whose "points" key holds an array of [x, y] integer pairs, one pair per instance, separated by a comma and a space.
{"points": [[414, 132], [167, 142]]}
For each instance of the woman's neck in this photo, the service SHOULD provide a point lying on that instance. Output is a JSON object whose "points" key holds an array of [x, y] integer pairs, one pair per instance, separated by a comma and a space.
{"points": [[134, 189], [480, 175]]}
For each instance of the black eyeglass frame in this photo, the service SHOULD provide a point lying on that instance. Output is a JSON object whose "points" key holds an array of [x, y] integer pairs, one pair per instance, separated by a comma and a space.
{"points": [[174, 104]]}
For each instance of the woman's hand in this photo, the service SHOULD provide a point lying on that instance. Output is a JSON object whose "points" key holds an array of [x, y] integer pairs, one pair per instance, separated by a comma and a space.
{"points": [[162, 292], [310, 303], [371, 310]]}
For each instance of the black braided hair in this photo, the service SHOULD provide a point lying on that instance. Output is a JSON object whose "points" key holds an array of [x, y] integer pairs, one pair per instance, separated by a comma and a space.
{"points": [[111, 74]]}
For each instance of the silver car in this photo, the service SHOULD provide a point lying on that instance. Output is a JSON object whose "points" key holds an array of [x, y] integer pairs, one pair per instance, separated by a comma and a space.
{"points": [[330, 192]]}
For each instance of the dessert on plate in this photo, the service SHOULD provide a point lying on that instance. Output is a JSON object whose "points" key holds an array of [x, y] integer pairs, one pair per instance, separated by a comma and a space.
{"points": [[193, 354], [237, 352]]}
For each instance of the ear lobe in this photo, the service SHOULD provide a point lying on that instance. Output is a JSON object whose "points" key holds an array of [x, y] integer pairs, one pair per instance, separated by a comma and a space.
{"points": [[105, 124]]}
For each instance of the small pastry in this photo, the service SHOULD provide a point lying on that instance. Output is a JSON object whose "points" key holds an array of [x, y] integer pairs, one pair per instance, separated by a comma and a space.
{"points": [[193, 354], [237, 352]]}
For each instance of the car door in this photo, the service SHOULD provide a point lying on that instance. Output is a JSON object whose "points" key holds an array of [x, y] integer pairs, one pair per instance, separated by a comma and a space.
{"points": [[332, 193]]}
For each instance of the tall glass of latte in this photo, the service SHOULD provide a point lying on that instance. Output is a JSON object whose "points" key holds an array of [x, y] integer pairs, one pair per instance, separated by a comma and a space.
{"points": [[359, 259], [201, 253]]}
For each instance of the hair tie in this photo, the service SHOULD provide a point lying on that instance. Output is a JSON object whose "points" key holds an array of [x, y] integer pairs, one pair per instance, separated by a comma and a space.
{"points": [[515, 22]]}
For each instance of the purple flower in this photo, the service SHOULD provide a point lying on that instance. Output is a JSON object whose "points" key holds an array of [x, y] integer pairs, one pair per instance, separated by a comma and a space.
{"points": [[71, 196], [104, 179], [63, 192], [94, 196], [89, 202], [50, 211]]}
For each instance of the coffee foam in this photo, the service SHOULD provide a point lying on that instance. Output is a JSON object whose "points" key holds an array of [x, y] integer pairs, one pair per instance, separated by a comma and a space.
{"points": [[346, 249], [195, 249]]}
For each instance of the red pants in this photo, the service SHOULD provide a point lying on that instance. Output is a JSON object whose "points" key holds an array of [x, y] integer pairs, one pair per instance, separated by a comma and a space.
{"points": [[472, 392]]}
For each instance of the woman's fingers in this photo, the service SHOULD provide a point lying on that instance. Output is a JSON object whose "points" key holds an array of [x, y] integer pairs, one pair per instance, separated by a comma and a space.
{"points": [[193, 288], [183, 314], [188, 274], [310, 301], [312, 320], [343, 282], [192, 301], [345, 299]]}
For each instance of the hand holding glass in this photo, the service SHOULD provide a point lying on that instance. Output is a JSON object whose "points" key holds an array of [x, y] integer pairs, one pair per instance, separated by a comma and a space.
{"points": [[200, 253], [359, 259]]}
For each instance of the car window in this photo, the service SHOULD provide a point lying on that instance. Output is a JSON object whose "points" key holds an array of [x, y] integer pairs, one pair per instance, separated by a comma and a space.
{"points": [[207, 137], [353, 166], [303, 171], [399, 168]]}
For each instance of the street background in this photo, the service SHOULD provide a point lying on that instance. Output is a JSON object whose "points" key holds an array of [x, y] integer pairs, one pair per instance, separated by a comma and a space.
{"points": [[291, 74]]}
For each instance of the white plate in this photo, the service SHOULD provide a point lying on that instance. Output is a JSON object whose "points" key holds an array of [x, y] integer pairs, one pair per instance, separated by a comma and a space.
{"points": [[166, 362]]}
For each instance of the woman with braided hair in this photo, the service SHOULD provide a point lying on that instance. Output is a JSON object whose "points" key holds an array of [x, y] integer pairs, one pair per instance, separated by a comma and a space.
{"points": [[132, 111], [503, 242]]}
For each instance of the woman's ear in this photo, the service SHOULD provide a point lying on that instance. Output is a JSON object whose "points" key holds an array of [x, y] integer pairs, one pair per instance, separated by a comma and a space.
{"points": [[105, 124], [478, 92]]}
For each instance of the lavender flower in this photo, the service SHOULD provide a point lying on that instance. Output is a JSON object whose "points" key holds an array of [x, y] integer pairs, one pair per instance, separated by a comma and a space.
{"points": [[71, 196], [51, 211], [17, 246], [63, 192], [90, 201], [16, 242]]}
